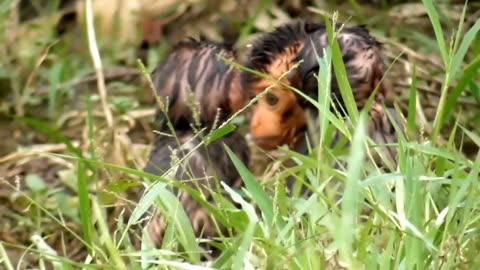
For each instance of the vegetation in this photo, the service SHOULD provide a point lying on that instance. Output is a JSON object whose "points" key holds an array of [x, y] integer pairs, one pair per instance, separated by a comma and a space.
{"points": [[70, 175]]}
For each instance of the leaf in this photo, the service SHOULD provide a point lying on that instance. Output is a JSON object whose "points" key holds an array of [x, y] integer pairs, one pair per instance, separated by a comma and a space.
{"points": [[341, 75], [261, 198], [35, 183], [412, 103], [351, 196], [84, 202], [468, 74], [433, 15], [219, 133], [462, 50]]}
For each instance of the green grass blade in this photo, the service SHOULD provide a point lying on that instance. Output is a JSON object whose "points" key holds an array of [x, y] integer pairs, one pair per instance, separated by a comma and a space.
{"points": [[106, 237], [341, 75], [437, 28], [247, 237], [5, 258], [462, 50], [261, 198], [352, 195], [468, 74], [84, 202], [412, 103], [219, 133], [174, 212]]}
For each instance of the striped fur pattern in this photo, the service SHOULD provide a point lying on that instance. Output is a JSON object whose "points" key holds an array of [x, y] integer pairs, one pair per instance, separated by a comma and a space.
{"points": [[194, 75]]}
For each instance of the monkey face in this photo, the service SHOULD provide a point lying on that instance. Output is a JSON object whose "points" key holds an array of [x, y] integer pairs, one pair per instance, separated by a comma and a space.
{"points": [[277, 118]]}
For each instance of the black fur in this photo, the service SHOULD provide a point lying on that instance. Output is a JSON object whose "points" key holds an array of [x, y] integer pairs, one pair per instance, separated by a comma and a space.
{"points": [[274, 43]]}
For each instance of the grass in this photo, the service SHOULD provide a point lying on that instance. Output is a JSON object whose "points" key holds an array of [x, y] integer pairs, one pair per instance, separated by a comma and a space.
{"points": [[422, 215]]}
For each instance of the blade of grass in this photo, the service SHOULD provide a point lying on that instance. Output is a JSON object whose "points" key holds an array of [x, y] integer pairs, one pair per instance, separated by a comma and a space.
{"points": [[219, 133], [437, 28], [462, 50], [91, 132], [84, 202], [352, 195], [412, 104], [241, 257], [414, 251], [105, 237], [261, 198], [5, 258], [341, 73], [468, 74], [176, 214]]}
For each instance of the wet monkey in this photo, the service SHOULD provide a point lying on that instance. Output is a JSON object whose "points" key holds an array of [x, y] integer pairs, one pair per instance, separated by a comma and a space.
{"points": [[195, 72]]}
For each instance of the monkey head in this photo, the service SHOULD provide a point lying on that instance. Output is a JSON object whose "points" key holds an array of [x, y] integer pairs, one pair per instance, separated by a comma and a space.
{"points": [[277, 117], [280, 114]]}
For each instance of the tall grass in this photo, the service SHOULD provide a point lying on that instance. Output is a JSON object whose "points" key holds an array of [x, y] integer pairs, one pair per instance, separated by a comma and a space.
{"points": [[422, 215]]}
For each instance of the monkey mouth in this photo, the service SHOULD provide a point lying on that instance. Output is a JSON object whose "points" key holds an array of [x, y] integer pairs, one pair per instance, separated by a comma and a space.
{"points": [[268, 142], [272, 142]]}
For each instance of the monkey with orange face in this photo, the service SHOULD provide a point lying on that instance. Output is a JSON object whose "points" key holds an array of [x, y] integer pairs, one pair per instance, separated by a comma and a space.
{"points": [[280, 117]]}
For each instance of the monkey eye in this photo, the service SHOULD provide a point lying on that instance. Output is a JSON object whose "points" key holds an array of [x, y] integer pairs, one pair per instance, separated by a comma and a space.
{"points": [[272, 99], [251, 95]]}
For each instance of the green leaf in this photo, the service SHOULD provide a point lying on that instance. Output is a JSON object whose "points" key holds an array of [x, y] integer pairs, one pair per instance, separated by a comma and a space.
{"points": [[261, 198], [341, 74], [412, 103], [219, 133], [84, 202], [468, 74], [35, 183], [352, 196], [437, 27], [462, 50]]}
